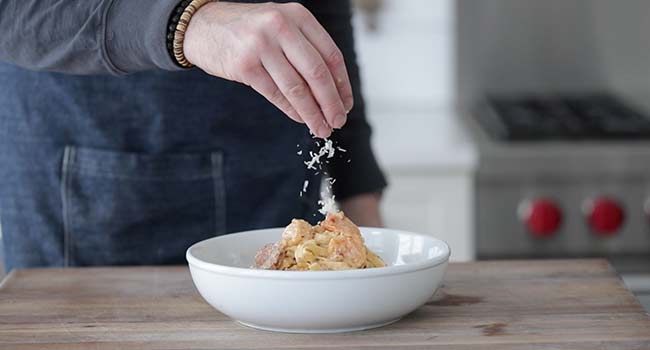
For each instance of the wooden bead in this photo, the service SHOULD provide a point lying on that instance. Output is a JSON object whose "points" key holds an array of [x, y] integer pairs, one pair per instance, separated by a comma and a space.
{"points": [[181, 27]]}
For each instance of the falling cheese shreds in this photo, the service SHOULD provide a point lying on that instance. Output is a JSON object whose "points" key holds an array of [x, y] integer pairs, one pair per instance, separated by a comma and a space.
{"points": [[299, 153], [327, 205], [326, 149], [310, 163], [329, 148]]}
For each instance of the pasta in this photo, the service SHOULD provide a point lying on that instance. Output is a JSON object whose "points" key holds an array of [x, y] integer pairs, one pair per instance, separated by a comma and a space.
{"points": [[334, 244]]}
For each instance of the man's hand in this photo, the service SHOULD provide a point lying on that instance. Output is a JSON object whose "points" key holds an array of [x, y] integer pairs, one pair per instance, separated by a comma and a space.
{"points": [[281, 51], [363, 209]]}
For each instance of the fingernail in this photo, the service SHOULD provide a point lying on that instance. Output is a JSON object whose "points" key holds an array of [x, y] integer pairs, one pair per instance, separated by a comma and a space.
{"points": [[339, 121], [324, 131], [348, 104]]}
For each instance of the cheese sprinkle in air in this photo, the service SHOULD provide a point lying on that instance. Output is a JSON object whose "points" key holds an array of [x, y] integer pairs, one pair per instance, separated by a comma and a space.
{"points": [[325, 152], [328, 205], [326, 149]]}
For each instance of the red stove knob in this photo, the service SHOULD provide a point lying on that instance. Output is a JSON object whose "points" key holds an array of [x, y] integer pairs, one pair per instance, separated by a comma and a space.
{"points": [[605, 216], [542, 217]]}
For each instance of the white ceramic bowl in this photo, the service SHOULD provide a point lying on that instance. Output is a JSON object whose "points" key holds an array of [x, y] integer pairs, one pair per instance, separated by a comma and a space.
{"points": [[318, 301]]}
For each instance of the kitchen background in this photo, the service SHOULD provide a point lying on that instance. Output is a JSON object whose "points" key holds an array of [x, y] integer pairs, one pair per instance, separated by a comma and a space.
{"points": [[470, 100], [515, 128]]}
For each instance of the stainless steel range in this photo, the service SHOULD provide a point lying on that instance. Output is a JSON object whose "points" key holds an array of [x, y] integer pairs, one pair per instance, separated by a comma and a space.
{"points": [[564, 169], [562, 176]]}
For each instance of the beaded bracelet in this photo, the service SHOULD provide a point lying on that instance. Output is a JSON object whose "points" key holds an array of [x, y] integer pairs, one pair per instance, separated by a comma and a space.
{"points": [[178, 22]]}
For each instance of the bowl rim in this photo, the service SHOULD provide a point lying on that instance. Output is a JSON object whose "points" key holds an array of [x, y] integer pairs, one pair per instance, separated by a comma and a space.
{"points": [[320, 275]]}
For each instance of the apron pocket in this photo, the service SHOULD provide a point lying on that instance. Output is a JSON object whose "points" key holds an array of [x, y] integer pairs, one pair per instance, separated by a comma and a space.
{"points": [[133, 209]]}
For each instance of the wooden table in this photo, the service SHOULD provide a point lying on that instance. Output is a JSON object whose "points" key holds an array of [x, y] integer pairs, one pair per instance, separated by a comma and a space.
{"points": [[571, 304]]}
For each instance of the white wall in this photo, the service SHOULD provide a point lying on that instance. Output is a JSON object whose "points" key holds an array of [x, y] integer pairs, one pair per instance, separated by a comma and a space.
{"points": [[509, 46], [407, 69], [412, 48]]}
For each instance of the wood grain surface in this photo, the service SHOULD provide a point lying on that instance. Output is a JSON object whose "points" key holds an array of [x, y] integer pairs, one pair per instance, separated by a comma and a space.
{"points": [[557, 304]]}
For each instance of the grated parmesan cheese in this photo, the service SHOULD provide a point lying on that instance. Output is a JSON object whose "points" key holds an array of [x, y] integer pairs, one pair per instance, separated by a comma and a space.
{"points": [[327, 205], [327, 149], [327, 202]]}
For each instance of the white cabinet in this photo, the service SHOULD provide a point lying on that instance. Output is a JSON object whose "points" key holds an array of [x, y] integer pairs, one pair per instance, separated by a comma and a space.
{"points": [[430, 166], [437, 204]]}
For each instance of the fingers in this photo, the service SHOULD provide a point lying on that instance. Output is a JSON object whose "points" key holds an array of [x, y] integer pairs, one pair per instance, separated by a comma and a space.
{"points": [[313, 69], [334, 60], [324, 44], [283, 53], [296, 91], [260, 80]]}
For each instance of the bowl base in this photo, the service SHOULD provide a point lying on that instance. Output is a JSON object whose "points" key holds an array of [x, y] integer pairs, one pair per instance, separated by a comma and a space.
{"points": [[317, 330]]}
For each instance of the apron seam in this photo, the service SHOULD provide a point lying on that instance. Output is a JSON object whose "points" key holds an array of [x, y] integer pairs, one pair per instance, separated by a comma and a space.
{"points": [[219, 193], [68, 153]]}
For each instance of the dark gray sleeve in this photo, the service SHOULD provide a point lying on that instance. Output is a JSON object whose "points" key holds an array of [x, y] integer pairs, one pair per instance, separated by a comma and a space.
{"points": [[362, 173], [86, 36]]}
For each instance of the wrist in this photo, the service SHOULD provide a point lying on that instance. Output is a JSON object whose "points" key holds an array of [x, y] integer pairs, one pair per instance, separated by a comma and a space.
{"points": [[178, 25], [195, 32]]}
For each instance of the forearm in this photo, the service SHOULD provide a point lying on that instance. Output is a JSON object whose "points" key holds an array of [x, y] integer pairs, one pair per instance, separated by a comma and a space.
{"points": [[85, 37], [363, 209]]}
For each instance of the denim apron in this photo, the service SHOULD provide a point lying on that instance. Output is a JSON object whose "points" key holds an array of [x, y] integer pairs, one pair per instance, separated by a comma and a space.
{"points": [[104, 170]]}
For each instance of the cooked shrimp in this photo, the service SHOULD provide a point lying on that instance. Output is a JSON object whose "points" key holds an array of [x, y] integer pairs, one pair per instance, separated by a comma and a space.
{"points": [[347, 250], [296, 232], [268, 257], [338, 222], [348, 246]]}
